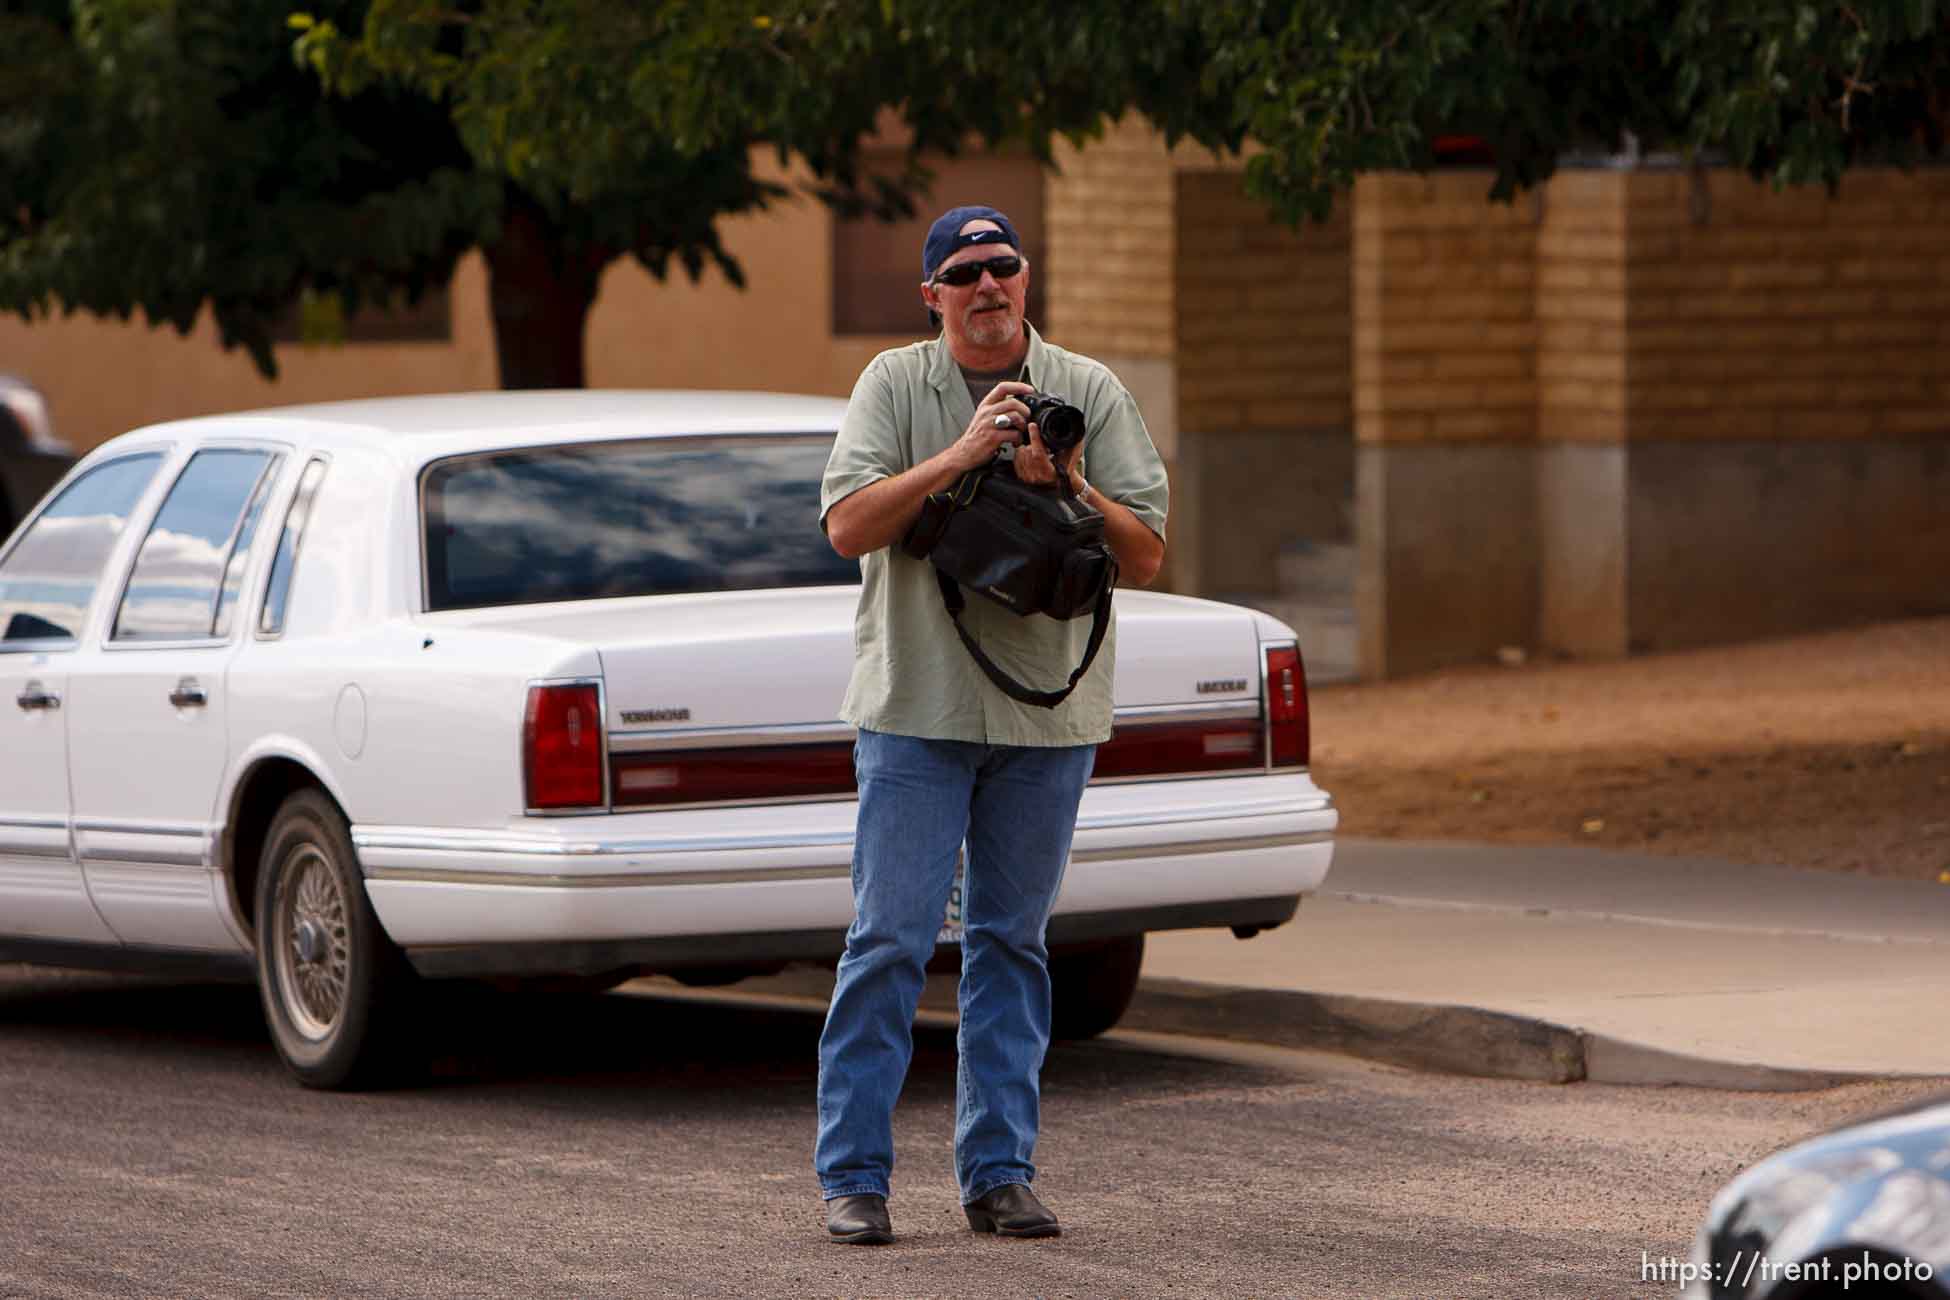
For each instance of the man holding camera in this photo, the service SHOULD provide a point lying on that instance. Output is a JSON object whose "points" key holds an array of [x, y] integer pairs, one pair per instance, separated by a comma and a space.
{"points": [[943, 756]]}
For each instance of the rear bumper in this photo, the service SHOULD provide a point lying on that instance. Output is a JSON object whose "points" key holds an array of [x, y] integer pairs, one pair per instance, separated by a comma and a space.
{"points": [[771, 883], [679, 952]]}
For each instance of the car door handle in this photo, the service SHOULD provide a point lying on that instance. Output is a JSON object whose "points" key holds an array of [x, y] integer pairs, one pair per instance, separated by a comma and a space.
{"points": [[33, 696], [188, 695]]}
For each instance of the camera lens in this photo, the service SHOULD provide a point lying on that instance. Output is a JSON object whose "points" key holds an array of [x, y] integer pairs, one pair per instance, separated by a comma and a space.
{"points": [[1060, 423]]}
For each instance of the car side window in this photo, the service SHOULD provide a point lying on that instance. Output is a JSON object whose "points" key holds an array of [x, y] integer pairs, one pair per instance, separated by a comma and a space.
{"points": [[177, 579], [233, 572], [277, 592], [48, 579]]}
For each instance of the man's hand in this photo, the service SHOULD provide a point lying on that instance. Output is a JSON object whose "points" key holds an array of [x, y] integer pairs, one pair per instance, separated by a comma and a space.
{"points": [[1034, 464], [978, 443]]}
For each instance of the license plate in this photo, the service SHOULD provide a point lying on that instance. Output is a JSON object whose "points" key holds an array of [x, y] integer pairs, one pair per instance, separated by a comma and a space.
{"points": [[951, 923]]}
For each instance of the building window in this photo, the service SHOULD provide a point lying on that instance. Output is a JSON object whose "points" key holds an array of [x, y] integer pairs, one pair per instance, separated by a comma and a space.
{"points": [[877, 264]]}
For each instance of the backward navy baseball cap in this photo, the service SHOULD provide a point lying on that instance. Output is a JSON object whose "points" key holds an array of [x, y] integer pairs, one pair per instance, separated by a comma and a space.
{"points": [[945, 238]]}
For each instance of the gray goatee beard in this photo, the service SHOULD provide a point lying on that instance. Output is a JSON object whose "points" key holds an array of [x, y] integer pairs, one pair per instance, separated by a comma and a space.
{"points": [[991, 328]]}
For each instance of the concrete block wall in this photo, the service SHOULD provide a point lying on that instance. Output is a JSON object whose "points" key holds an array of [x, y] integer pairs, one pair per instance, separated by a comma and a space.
{"points": [[1788, 406], [1445, 418], [1727, 403], [1265, 381], [1582, 412]]}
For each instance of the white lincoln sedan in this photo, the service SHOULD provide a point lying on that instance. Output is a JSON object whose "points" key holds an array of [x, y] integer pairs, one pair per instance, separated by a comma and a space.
{"points": [[348, 697]]}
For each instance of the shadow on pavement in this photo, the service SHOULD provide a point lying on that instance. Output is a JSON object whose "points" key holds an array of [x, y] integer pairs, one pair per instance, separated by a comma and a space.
{"points": [[688, 1053]]}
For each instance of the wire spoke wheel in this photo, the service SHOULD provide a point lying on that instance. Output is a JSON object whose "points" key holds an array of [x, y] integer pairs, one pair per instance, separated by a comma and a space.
{"points": [[339, 997], [314, 943]]}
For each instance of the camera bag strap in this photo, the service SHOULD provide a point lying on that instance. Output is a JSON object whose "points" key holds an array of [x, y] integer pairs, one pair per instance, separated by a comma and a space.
{"points": [[951, 595]]}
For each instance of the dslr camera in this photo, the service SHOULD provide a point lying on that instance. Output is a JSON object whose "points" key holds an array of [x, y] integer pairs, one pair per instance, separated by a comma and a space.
{"points": [[1060, 423]]}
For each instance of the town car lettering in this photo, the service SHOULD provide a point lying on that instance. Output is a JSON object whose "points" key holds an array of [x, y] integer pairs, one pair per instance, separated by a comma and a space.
{"points": [[656, 715]]}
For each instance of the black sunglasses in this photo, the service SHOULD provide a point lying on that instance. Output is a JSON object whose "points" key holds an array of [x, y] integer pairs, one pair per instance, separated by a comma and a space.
{"points": [[963, 274]]}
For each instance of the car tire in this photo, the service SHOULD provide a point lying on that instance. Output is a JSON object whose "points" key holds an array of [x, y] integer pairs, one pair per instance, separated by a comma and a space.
{"points": [[1090, 988], [337, 994]]}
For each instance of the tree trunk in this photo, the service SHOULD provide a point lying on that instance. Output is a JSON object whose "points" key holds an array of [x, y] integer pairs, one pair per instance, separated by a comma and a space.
{"points": [[541, 291]]}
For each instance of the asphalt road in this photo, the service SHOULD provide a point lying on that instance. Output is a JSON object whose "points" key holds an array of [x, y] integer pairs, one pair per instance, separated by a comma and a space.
{"points": [[150, 1145]]}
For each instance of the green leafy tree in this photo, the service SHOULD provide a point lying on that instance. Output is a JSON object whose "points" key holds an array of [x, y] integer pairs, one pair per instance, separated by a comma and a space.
{"points": [[156, 157], [164, 155], [631, 129], [1794, 92], [161, 155]]}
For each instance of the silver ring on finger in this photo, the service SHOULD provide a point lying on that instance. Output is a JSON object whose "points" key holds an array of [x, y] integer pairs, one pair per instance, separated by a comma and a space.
{"points": [[1003, 422]]}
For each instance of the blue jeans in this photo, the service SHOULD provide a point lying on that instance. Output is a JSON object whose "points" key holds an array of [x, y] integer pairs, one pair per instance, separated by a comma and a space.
{"points": [[1016, 807]]}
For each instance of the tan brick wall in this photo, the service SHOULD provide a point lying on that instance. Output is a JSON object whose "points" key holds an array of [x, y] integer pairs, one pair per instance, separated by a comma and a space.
{"points": [[1753, 313], [1264, 314], [1580, 305], [1445, 325], [1110, 225]]}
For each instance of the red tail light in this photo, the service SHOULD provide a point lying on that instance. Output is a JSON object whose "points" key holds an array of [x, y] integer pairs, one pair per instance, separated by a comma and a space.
{"points": [[1286, 706], [1162, 748], [562, 747], [751, 772]]}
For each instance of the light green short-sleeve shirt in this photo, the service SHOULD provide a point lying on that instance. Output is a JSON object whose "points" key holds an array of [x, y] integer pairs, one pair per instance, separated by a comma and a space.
{"points": [[911, 674]]}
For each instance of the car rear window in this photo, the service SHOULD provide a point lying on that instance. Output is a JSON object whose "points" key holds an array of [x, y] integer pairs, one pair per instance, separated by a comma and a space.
{"points": [[628, 519]]}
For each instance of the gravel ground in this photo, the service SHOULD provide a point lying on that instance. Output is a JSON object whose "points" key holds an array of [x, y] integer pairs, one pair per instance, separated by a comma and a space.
{"points": [[1829, 751], [633, 1146]]}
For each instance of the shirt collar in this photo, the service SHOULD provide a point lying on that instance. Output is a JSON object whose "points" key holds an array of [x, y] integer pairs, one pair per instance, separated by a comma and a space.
{"points": [[943, 372]]}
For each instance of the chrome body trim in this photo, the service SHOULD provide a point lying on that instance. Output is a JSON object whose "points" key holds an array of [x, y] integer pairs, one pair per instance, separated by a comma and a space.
{"points": [[139, 828], [493, 842], [652, 879], [37, 822], [804, 733], [10, 848], [303, 492], [147, 858], [142, 843], [1266, 696], [18, 840], [813, 733], [1202, 711], [1198, 848], [129, 645], [630, 880], [434, 840]]}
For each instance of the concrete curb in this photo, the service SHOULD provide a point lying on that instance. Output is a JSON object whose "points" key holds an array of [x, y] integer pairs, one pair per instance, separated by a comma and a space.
{"points": [[1442, 1038], [1451, 1039]]}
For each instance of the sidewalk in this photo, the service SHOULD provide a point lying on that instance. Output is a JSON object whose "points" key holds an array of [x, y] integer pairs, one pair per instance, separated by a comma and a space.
{"points": [[1566, 963]]}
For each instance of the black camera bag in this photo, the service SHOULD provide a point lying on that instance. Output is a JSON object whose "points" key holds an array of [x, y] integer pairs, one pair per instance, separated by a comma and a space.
{"points": [[1032, 549]]}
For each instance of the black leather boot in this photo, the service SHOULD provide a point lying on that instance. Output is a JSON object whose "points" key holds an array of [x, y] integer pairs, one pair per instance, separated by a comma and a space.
{"points": [[1012, 1211], [858, 1221]]}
